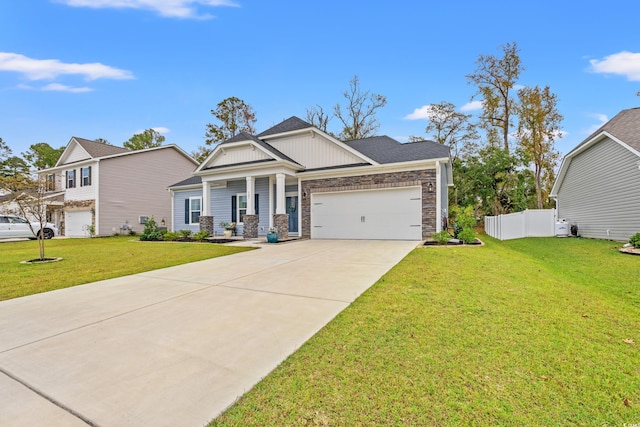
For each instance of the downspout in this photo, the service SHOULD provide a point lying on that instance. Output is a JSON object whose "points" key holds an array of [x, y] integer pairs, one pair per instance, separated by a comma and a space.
{"points": [[172, 209], [438, 198], [96, 229]]}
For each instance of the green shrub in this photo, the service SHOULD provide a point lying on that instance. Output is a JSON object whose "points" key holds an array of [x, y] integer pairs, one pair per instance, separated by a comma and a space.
{"points": [[201, 235], [463, 218], [171, 236], [442, 237], [635, 240], [467, 235], [185, 233], [132, 233], [151, 231]]}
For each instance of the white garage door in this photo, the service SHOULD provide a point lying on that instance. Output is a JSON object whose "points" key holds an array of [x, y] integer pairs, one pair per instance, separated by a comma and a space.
{"points": [[77, 223], [389, 214]]}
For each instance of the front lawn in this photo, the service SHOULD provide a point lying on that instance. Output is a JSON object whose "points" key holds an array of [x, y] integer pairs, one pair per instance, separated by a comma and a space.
{"points": [[89, 260], [539, 331]]}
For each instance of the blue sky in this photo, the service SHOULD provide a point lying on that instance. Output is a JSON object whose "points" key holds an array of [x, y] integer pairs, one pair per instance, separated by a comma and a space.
{"points": [[111, 68]]}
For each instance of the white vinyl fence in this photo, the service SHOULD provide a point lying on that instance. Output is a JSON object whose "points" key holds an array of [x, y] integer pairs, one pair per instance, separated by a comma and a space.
{"points": [[530, 223]]}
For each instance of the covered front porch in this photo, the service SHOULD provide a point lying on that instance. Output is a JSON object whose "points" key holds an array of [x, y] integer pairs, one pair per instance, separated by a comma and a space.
{"points": [[255, 204]]}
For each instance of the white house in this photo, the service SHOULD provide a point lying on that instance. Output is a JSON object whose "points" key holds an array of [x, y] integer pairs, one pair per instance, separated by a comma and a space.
{"points": [[304, 182], [598, 185], [101, 187]]}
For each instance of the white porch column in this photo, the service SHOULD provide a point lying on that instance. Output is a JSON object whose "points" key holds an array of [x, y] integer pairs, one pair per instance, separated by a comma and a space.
{"points": [[438, 198], [251, 184], [206, 196], [280, 194], [271, 207]]}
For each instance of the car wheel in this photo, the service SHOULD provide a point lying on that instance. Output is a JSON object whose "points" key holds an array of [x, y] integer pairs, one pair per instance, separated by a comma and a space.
{"points": [[48, 233]]}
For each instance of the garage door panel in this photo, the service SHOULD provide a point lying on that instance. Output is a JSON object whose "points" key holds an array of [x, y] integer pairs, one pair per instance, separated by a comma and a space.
{"points": [[390, 214], [77, 223]]}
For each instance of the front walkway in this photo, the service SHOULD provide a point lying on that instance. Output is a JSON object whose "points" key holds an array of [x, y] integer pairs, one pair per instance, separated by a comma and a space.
{"points": [[175, 347]]}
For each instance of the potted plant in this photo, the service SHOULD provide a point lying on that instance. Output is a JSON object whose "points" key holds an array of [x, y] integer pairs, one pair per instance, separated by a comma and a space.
{"points": [[272, 235], [229, 228]]}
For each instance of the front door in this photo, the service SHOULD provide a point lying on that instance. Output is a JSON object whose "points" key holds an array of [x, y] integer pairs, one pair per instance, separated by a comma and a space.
{"points": [[292, 210]]}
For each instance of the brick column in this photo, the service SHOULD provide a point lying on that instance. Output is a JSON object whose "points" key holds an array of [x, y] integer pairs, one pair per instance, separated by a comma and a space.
{"points": [[206, 224], [281, 223], [250, 226]]}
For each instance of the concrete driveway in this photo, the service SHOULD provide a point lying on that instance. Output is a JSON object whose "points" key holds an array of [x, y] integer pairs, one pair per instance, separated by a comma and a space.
{"points": [[175, 347]]}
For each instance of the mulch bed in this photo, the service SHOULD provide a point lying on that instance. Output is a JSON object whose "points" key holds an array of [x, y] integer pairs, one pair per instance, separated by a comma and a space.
{"points": [[453, 242]]}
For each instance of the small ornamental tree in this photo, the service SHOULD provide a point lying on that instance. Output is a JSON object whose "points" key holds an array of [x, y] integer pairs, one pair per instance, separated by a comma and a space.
{"points": [[28, 196]]}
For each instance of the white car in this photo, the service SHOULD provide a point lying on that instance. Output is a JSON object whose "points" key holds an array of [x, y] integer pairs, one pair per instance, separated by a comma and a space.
{"points": [[16, 227]]}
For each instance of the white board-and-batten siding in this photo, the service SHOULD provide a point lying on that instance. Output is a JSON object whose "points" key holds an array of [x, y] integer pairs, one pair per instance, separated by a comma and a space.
{"points": [[241, 154], [601, 192], [314, 151], [136, 185]]}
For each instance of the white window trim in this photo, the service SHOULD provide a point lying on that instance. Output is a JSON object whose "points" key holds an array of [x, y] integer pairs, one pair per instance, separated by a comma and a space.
{"points": [[238, 206], [82, 169], [191, 210]]}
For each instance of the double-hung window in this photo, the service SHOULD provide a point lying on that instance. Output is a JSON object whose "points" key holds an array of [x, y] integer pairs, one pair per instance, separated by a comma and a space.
{"points": [[85, 174], [51, 182], [193, 209], [242, 207], [71, 178]]}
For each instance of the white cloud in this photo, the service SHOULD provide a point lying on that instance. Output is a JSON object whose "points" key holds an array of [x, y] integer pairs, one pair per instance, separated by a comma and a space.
{"points": [[161, 129], [471, 106], [419, 113], [63, 88], [601, 118], [167, 8], [40, 69], [623, 63]]}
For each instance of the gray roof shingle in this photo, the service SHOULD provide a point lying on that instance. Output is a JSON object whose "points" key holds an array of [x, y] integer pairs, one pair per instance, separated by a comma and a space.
{"points": [[384, 149], [625, 126], [98, 149], [192, 180], [243, 136], [289, 125]]}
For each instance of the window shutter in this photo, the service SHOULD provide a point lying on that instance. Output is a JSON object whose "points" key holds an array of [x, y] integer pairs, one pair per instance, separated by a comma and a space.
{"points": [[256, 205], [89, 176], [66, 179], [234, 209], [74, 179], [187, 219]]}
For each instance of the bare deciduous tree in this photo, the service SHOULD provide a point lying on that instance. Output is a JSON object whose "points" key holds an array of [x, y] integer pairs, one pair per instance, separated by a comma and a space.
{"points": [[358, 116], [494, 78]]}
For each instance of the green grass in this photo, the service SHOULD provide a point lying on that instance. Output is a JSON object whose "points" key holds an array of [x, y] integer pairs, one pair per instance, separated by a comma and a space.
{"points": [[524, 332], [89, 260]]}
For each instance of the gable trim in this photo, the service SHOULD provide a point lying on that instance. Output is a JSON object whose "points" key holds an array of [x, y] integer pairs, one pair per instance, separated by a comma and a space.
{"points": [[564, 166]]}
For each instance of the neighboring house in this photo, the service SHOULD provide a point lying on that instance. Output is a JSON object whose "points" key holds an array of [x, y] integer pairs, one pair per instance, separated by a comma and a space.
{"points": [[598, 185], [303, 182], [110, 189]]}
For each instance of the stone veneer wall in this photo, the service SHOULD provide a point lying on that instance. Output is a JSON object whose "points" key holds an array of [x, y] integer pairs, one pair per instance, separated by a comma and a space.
{"points": [[250, 230], [372, 182], [206, 224], [281, 223]]}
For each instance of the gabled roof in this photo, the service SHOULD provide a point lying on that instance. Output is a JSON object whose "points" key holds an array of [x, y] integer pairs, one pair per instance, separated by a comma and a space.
{"points": [[384, 149], [623, 128], [293, 123], [98, 149]]}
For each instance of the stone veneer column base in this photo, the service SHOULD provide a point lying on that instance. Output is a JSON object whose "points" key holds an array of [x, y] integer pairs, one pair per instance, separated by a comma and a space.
{"points": [[250, 230], [281, 223], [206, 224]]}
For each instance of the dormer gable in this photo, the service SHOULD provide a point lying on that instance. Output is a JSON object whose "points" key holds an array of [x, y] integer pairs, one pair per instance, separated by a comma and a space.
{"points": [[79, 149], [243, 149]]}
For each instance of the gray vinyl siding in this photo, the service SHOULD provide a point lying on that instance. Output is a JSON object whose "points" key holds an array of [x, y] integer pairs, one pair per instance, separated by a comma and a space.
{"points": [[220, 206], [601, 191], [178, 210], [136, 184]]}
